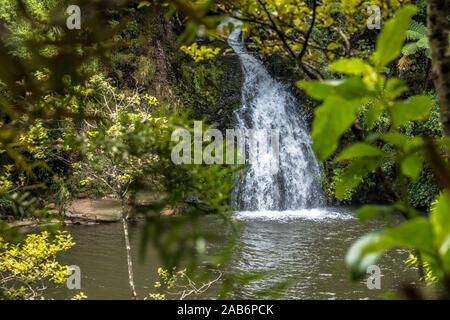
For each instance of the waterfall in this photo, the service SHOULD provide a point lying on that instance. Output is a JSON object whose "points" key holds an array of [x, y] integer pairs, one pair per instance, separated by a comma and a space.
{"points": [[268, 104]]}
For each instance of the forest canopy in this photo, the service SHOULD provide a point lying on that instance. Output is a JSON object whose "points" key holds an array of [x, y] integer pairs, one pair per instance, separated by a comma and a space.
{"points": [[88, 108]]}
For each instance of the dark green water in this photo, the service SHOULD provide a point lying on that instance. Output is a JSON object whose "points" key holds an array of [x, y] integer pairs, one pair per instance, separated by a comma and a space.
{"points": [[308, 245]]}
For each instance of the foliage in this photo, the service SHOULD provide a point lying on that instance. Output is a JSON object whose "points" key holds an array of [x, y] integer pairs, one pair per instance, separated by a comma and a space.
{"points": [[31, 100], [424, 190], [342, 99], [56, 119], [428, 277], [199, 90], [26, 268], [6, 181], [210, 89], [418, 34], [332, 187], [200, 53], [307, 34], [44, 68], [60, 118], [180, 280], [105, 144]]}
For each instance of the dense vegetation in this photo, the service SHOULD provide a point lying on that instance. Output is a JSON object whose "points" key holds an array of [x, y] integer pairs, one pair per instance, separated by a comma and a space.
{"points": [[90, 112]]}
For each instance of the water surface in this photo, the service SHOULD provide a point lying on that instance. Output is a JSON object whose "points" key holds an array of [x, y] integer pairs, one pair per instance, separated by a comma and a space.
{"points": [[306, 246]]}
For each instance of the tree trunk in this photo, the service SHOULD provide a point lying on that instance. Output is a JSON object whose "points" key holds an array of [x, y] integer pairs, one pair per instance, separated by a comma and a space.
{"points": [[427, 76], [438, 29], [128, 249]]}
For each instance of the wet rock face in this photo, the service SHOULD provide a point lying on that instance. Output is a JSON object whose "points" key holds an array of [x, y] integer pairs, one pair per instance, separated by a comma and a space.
{"points": [[229, 92]]}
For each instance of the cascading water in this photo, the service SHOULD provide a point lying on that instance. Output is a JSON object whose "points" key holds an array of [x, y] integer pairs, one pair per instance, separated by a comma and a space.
{"points": [[267, 104]]}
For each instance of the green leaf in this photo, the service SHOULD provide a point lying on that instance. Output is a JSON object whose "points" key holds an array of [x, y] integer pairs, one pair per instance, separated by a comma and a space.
{"points": [[413, 234], [143, 4], [444, 142], [392, 36], [440, 218], [444, 252], [395, 138], [359, 150], [317, 89], [373, 114], [412, 166], [358, 262], [353, 66], [423, 43], [410, 48], [416, 108], [416, 233], [366, 213], [331, 120], [353, 174], [351, 88], [394, 88], [414, 143]]}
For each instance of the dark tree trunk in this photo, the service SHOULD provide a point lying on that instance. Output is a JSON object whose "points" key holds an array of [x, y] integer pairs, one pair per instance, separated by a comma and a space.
{"points": [[438, 29], [427, 76]]}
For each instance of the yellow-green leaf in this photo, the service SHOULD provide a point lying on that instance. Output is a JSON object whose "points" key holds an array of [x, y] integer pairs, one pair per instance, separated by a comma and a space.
{"points": [[412, 166], [331, 120], [359, 150], [416, 108]]}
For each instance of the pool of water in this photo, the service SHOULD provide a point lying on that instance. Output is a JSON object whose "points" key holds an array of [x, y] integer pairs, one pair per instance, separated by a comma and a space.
{"points": [[306, 247]]}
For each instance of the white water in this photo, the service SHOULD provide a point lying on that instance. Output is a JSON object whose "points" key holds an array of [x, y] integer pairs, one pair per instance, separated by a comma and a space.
{"points": [[268, 104], [288, 215]]}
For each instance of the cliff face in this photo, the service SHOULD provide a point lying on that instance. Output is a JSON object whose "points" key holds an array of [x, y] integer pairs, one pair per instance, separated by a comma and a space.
{"points": [[153, 61], [229, 91], [211, 89], [147, 59]]}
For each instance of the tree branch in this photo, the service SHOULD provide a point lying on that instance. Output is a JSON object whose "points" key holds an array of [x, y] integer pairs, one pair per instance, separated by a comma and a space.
{"points": [[308, 34], [278, 32]]}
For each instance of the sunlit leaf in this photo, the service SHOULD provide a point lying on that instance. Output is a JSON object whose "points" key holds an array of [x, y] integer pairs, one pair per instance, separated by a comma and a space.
{"points": [[331, 120], [413, 234], [416, 108], [440, 220], [353, 66], [357, 261], [143, 4], [351, 88], [366, 213], [395, 138], [373, 114], [353, 175], [412, 166], [394, 88], [359, 150]]}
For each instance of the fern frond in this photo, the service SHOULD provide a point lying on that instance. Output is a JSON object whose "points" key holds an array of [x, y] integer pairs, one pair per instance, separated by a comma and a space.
{"points": [[423, 43], [414, 35], [418, 27], [410, 48]]}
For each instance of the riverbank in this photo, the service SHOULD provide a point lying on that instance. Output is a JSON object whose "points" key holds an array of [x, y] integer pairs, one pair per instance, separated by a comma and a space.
{"points": [[85, 211]]}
